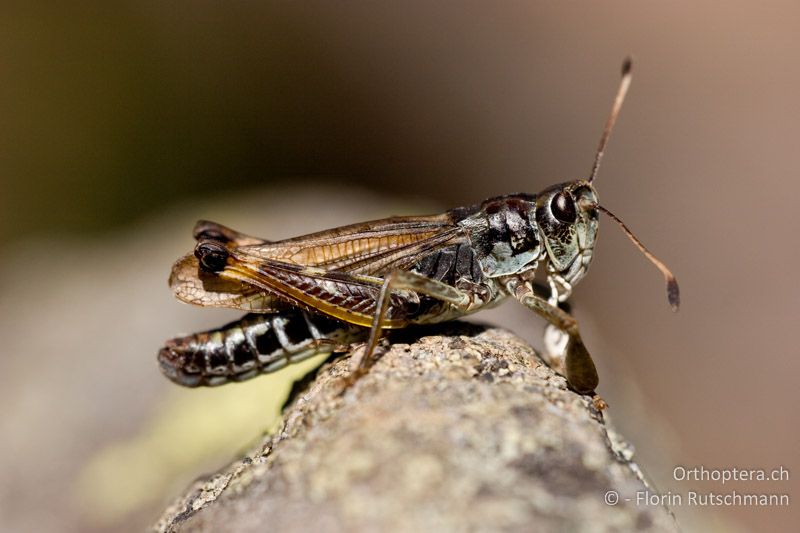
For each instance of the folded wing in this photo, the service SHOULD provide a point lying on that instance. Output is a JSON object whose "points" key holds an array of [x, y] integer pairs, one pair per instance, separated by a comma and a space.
{"points": [[337, 271]]}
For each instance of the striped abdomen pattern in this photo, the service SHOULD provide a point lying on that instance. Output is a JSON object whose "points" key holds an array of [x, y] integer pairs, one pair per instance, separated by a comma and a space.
{"points": [[255, 344]]}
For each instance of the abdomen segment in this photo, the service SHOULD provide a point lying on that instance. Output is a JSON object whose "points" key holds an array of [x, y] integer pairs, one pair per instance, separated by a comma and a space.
{"points": [[255, 344]]}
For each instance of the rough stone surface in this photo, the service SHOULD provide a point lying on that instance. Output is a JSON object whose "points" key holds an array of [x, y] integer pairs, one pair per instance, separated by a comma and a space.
{"points": [[466, 430]]}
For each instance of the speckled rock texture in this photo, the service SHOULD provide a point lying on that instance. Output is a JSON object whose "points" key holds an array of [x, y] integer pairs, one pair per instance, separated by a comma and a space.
{"points": [[464, 430]]}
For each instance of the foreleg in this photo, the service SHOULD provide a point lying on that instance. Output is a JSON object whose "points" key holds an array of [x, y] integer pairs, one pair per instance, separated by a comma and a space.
{"points": [[579, 368]]}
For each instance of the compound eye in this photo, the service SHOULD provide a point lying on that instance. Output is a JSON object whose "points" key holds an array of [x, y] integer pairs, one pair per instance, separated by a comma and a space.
{"points": [[213, 255], [563, 208]]}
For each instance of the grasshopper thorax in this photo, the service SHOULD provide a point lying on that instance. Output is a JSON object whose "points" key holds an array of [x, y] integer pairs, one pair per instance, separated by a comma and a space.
{"points": [[511, 234], [504, 235]]}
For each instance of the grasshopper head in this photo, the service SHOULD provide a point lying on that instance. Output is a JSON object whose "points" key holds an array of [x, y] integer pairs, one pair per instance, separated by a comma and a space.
{"points": [[567, 218], [566, 215]]}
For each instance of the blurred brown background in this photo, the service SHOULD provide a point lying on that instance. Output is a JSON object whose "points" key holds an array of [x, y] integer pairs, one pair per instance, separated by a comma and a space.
{"points": [[124, 123]]}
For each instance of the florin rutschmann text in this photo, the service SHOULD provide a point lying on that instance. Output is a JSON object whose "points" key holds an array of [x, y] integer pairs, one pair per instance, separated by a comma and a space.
{"points": [[697, 498]]}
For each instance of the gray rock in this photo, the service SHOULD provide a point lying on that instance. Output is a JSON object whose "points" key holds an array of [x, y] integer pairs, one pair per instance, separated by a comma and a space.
{"points": [[466, 430]]}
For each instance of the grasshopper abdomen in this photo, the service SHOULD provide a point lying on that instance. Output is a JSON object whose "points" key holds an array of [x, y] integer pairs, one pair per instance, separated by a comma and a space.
{"points": [[255, 344]]}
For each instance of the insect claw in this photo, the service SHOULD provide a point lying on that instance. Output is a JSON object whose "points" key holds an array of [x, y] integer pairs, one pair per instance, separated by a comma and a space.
{"points": [[357, 357], [358, 368], [599, 403]]}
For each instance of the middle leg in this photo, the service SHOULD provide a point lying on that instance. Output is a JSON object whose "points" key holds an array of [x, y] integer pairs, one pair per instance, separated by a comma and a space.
{"points": [[409, 281]]}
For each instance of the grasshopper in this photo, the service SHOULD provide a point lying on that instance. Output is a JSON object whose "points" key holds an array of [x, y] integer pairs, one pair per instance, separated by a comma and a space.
{"points": [[317, 293]]}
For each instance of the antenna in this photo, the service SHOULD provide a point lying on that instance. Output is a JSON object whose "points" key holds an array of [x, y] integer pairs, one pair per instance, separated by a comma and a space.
{"points": [[624, 83], [673, 292]]}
